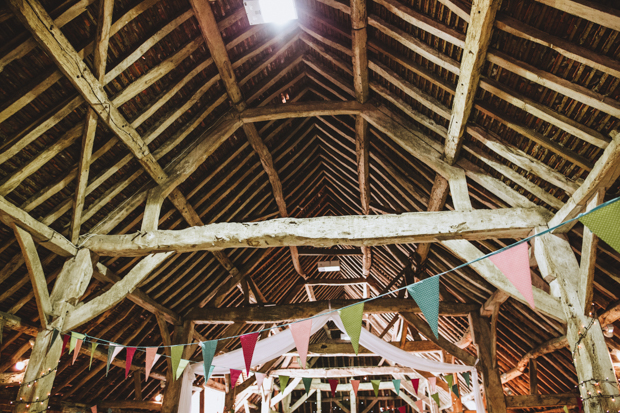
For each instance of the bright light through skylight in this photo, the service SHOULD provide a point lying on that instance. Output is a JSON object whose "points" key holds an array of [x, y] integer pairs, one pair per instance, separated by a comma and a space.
{"points": [[270, 11]]}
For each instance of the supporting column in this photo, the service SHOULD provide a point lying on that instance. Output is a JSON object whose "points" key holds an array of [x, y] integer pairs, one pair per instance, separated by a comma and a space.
{"points": [[229, 399], [585, 337], [353, 400], [319, 401], [172, 394], [533, 376], [154, 201], [267, 390]]}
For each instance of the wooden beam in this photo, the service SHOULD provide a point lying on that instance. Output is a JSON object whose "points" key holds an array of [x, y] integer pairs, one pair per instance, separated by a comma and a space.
{"points": [[301, 110], [477, 42], [545, 348], [337, 349], [541, 400], [340, 282], [363, 171], [533, 376], [261, 315], [597, 13], [341, 372], [587, 265], [359, 21], [129, 404], [327, 231], [329, 251]]}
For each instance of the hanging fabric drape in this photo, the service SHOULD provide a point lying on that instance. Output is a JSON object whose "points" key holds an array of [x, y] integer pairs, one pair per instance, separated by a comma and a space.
{"points": [[283, 342]]}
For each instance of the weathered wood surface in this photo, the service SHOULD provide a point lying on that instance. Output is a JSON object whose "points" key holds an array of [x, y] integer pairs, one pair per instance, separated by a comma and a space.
{"points": [[337, 349], [129, 404], [328, 231], [529, 401], [329, 251], [302, 110]]}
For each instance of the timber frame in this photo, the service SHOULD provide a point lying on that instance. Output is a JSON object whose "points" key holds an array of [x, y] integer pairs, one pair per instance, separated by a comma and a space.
{"points": [[170, 174]]}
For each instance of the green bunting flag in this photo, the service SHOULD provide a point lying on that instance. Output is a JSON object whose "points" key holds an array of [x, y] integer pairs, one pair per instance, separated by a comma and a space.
{"points": [[455, 390], [93, 346], [74, 339], [352, 319], [565, 409], [449, 378], [283, 382], [466, 377], [396, 386], [180, 368], [604, 223], [175, 355], [208, 351], [307, 383], [435, 397], [426, 295], [375, 386]]}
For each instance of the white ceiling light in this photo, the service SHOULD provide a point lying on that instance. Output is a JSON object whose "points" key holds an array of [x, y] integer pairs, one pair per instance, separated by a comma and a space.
{"points": [[325, 266], [270, 11]]}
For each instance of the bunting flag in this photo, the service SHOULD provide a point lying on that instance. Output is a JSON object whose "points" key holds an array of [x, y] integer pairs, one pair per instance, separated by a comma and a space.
{"points": [[402, 409], [307, 383], [375, 386], [604, 223], [208, 351], [93, 409], [175, 354], [55, 334], [130, 352], [355, 384], [435, 397], [234, 376], [112, 352], [449, 379], [432, 384], [420, 405], [65, 340], [416, 384], [579, 404], [73, 339], [514, 263], [93, 346], [248, 343], [283, 382], [79, 339], [301, 334], [455, 390], [466, 377], [352, 319], [396, 386], [426, 295], [151, 359], [259, 379], [333, 383], [180, 368]]}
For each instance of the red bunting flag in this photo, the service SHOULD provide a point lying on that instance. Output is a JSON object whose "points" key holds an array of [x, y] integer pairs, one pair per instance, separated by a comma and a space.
{"points": [[333, 383], [402, 409], [234, 376], [65, 341], [248, 342], [151, 359], [514, 263], [355, 384], [301, 334], [76, 351], [416, 384], [130, 352]]}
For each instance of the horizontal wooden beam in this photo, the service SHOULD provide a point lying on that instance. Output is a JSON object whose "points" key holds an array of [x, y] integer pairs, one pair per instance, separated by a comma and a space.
{"points": [[302, 110], [15, 323], [541, 400], [350, 281], [367, 230], [329, 251], [129, 404], [345, 349], [341, 372], [291, 312]]}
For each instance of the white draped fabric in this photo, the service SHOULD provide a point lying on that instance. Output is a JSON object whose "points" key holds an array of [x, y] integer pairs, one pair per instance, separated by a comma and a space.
{"points": [[274, 346]]}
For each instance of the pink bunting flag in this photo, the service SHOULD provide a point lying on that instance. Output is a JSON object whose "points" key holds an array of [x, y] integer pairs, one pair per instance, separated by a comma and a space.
{"points": [[420, 405], [432, 384], [151, 359], [259, 379], [402, 409], [514, 263], [416, 384], [333, 383], [76, 351], [65, 341], [355, 384], [93, 409], [248, 342], [301, 334], [234, 376], [130, 352]]}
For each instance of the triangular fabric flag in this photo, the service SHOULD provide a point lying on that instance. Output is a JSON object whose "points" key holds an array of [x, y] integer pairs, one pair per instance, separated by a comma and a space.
{"points": [[150, 360], [579, 404], [432, 384], [396, 386], [234, 376], [449, 379], [65, 340], [93, 347], [248, 342], [420, 405], [466, 377], [455, 390], [175, 354], [55, 334], [604, 223], [352, 319], [283, 382], [426, 295], [333, 384], [435, 397], [74, 339], [130, 352], [355, 384], [416, 384], [375, 386], [301, 334], [112, 352], [307, 383], [514, 263], [208, 351], [259, 379], [180, 368], [93, 409], [565, 409], [402, 409], [78, 346]]}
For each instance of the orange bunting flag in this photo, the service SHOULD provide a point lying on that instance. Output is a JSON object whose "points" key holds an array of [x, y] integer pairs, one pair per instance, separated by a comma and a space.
{"points": [[355, 384]]}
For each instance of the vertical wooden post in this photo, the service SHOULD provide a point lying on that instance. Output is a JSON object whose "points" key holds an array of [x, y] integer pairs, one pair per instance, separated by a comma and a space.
{"points": [[353, 400], [319, 401], [203, 399], [172, 394], [138, 384], [533, 376], [267, 390]]}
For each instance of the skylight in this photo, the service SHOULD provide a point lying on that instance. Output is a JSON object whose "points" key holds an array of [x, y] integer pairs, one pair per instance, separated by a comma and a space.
{"points": [[270, 11]]}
